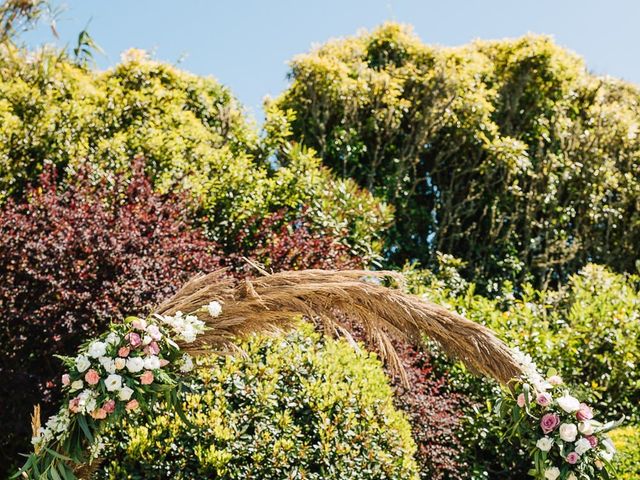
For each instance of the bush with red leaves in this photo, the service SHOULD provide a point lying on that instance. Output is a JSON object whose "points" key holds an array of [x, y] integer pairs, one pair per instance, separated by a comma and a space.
{"points": [[435, 414], [71, 262], [280, 244]]}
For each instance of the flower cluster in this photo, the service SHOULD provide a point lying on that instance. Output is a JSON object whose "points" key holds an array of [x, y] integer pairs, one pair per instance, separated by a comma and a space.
{"points": [[118, 373], [566, 442]]}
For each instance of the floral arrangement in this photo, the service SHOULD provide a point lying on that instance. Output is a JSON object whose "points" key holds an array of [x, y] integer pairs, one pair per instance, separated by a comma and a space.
{"points": [[127, 368], [564, 439]]}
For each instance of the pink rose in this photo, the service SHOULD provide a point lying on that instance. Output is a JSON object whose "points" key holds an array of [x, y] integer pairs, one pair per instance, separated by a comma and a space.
{"points": [[134, 339], [99, 414], [92, 377], [109, 406], [592, 440], [555, 380], [146, 378], [74, 405], [544, 399], [521, 400], [573, 458], [123, 352], [131, 405], [155, 349], [66, 380], [584, 412], [549, 422], [154, 332], [139, 324]]}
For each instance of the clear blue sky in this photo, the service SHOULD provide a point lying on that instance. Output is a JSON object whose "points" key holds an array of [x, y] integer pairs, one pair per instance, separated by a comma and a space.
{"points": [[246, 44]]}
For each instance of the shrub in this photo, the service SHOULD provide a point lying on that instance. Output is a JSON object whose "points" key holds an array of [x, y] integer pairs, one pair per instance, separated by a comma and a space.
{"points": [[587, 330], [73, 260], [507, 154], [435, 414], [627, 443], [279, 244], [190, 129], [292, 408]]}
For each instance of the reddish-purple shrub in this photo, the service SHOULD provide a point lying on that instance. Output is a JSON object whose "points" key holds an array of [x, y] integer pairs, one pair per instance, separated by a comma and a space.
{"points": [[73, 260], [435, 414], [282, 244]]}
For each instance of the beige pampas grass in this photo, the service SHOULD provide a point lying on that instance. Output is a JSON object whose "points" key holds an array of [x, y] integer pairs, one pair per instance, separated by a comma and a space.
{"points": [[273, 303]]}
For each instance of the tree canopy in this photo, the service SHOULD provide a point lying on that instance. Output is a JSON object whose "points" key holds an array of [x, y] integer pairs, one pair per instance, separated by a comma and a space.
{"points": [[507, 154]]}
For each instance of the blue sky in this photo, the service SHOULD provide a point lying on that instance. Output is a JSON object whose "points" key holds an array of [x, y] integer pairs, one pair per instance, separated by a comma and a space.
{"points": [[246, 44]]}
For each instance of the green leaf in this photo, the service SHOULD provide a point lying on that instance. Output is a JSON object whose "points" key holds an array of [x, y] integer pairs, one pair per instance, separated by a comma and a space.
{"points": [[82, 421]]}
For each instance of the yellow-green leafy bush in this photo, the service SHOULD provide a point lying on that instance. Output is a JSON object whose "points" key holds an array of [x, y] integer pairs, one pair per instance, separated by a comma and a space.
{"points": [[627, 443], [294, 407], [588, 330], [190, 129]]}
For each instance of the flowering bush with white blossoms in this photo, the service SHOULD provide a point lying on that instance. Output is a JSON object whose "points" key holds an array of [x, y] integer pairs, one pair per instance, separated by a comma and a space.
{"points": [[564, 439], [124, 370]]}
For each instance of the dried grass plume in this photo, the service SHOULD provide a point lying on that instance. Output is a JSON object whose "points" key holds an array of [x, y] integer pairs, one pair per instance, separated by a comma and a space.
{"points": [[273, 304]]}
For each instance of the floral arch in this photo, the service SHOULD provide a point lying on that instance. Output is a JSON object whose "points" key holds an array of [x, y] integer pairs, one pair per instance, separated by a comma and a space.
{"points": [[143, 360]]}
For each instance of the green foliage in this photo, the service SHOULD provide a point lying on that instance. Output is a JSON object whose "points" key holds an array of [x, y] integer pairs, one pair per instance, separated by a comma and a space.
{"points": [[627, 442], [292, 408], [190, 129], [507, 154], [588, 330]]}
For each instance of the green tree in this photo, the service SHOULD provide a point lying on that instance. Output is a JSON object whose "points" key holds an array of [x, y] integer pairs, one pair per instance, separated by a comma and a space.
{"points": [[507, 154], [192, 132]]}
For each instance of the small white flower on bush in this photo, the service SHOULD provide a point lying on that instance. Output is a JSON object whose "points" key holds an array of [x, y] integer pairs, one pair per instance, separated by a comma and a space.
{"points": [[187, 364], [568, 432], [113, 382], [545, 444], [568, 403], [82, 363], [552, 473], [97, 349]]}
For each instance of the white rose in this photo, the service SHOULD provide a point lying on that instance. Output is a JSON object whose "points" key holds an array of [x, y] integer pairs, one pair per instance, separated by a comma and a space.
{"points": [[582, 446], [108, 364], [112, 339], [77, 385], [97, 349], [113, 382], [125, 394], [545, 444], [82, 363], [120, 363], [146, 340], [586, 428], [552, 473], [152, 363], [214, 308], [568, 403], [568, 432], [135, 364]]}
